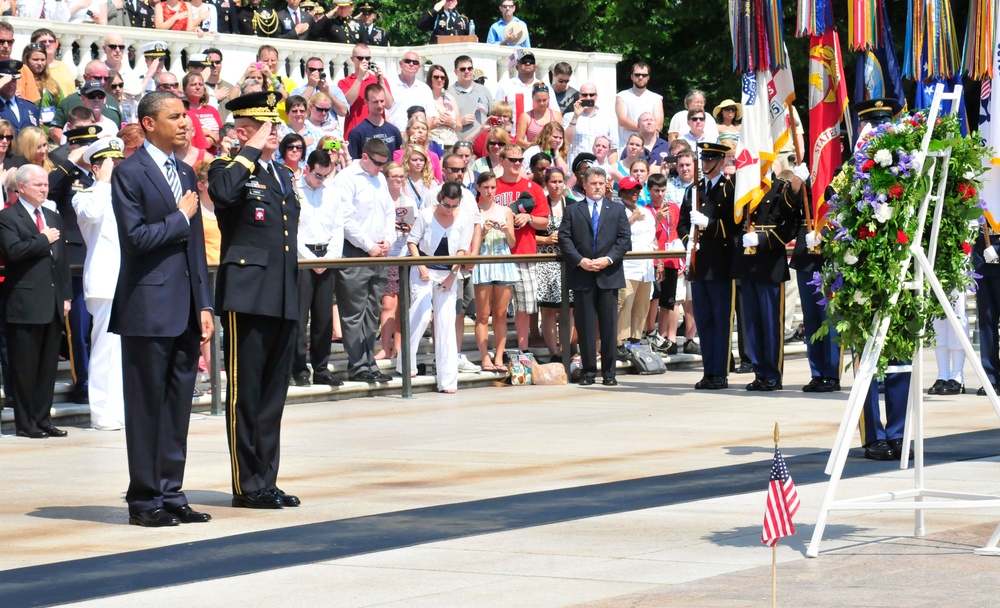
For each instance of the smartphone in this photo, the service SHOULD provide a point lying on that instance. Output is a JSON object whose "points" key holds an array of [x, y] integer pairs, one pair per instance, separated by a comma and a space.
{"points": [[332, 145], [587, 103]]}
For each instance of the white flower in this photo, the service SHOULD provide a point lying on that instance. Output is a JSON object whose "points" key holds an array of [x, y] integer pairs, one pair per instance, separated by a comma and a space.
{"points": [[884, 213], [850, 259], [883, 158], [859, 298], [969, 175]]}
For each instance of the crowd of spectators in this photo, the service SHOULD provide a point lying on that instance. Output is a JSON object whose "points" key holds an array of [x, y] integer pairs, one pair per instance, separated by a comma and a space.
{"points": [[504, 165]]}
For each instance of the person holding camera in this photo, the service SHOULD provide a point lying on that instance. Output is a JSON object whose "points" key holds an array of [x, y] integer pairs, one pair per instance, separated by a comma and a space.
{"points": [[587, 123], [366, 73]]}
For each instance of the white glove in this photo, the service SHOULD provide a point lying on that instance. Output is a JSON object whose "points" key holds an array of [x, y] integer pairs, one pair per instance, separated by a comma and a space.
{"points": [[751, 239], [699, 219], [813, 239], [990, 254], [675, 245], [801, 171]]}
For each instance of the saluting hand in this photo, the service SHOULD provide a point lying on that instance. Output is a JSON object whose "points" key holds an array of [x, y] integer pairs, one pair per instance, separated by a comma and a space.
{"points": [[259, 139], [104, 172]]}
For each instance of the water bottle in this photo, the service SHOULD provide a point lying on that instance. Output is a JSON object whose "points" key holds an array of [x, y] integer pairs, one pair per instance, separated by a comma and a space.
{"points": [[472, 27]]}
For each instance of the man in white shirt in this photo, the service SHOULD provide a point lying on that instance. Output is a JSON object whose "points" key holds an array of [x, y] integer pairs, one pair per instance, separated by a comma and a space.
{"points": [[517, 90], [633, 301], [631, 103], [114, 55], [369, 230], [587, 122], [694, 100], [321, 235], [409, 91]]}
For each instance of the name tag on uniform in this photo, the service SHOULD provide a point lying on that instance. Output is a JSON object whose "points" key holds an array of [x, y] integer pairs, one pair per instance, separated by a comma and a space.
{"points": [[258, 214]]}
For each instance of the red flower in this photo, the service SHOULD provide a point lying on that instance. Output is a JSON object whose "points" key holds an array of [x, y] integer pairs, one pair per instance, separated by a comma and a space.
{"points": [[895, 191], [865, 233], [901, 237], [967, 248], [867, 165], [969, 193]]}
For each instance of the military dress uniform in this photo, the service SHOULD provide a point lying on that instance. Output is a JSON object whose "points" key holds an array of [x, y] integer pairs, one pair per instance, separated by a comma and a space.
{"points": [[988, 305], [335, 29], [259, 21], [65, 181], [444, 23], [762, 270], [710, 276], [371, 35], [257, 298]]}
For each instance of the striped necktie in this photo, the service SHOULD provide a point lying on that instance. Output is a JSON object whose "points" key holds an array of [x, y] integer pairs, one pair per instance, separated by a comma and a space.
{"points": [[173, 180]]}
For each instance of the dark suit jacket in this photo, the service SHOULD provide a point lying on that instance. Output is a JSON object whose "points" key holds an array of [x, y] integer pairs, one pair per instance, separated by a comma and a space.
{"points": [[713, 259], [285, 17], [38, 281], [28, 114], [163, 270], [258, 270], [576, 240], [64, 182]]}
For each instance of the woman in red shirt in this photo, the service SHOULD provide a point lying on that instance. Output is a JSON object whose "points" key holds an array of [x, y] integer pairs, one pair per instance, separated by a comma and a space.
{"points": [[202, 113], [173, 15]]}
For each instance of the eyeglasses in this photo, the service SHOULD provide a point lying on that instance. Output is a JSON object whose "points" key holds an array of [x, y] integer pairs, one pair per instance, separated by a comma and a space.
{"points": [[116, 47], [368, 58], [295, 147], [437, 77], [7, 137], [515, 161], [120, 85], [697, 119], [311, 70], [454, 169], [562, 80], [46, 42], [321, 110], [411, 61], [447, 206], [95, 95], [467, 68], [101, 78], [378, 163], [494, 143], [638, 75], [320, 176], [7, 41], [588, 94], [168, 85]]}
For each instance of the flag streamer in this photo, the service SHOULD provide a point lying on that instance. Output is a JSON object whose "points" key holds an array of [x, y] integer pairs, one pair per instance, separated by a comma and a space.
{"points": [[863, 17], [977, 54], [930, 35], [756, 27], [815, 17]]}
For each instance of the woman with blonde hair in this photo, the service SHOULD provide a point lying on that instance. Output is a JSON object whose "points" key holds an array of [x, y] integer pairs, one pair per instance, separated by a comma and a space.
{"points": [[32, 144], [416, 134], [552, 141], [496, 141], [419, 177], [49, 93]]}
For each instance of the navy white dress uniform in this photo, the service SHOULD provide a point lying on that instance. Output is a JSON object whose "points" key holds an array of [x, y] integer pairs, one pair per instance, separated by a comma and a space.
{"points": [[710, 273], [257, 296], [444, 22], [18, 112], [761, 265], [66, 181], [823, 354], [36, 287], [97, 224]]}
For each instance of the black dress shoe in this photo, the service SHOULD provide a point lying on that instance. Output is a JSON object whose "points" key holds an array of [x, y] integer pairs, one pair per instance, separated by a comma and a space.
{"points": [[52, 431], [301, 380], [287, 500], [770, 384], [363, 377], [704, 383], [744, 368], [897, 448], [261, 499], [586, 380], [830, 385], [35, 434], [187, 515], [609, 382], [935, 388], [879, 450], [326, 378], [153, 518], [716, 383], [755, 385], [814, 385], [380, 377], [952, 387]]}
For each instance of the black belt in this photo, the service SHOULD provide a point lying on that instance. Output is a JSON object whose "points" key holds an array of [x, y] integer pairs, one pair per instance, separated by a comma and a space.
{"points": [[317, 249]]}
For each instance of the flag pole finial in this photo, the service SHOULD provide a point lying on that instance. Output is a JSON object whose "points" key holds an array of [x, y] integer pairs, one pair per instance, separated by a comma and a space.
{"points": [[777, 435]]}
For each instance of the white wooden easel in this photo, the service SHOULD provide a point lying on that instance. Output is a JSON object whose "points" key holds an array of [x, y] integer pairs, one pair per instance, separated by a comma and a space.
{"points": [[919, 498]]}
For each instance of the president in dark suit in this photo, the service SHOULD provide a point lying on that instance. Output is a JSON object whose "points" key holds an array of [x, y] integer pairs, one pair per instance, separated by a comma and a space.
{"points": [[594, 236], [18, 112], [162, 310], [37, 294], [294, 22]]}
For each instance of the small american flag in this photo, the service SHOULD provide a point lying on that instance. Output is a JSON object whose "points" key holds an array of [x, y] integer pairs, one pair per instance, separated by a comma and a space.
{"points": [[782, 502]]}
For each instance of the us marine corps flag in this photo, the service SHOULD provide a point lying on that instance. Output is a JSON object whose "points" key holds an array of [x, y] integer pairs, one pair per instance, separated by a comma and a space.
{"points": [[827, 104]]}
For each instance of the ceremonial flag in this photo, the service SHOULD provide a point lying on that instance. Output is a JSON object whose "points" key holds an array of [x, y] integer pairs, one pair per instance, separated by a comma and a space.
{"points": [[782, 502], [756, 146], [827, 104], [925, 97], [878, 73], [989, 125]]}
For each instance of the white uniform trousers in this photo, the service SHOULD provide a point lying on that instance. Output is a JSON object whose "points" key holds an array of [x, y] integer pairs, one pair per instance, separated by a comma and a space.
{"points": [[948, 349], [107, 402], [424, 297]]}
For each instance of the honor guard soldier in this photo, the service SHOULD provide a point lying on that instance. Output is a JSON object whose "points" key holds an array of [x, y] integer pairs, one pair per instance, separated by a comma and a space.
{"points": [[761, 265], [824, 353], [257, 20], [712, 226], [444, 20], [986, 261], [257, 296], [338, 27], [65, 181], [369, 33]]}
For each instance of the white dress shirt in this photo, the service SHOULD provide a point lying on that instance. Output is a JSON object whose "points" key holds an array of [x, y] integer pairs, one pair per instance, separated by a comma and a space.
{"points": [[368, 211], [321, 220]]}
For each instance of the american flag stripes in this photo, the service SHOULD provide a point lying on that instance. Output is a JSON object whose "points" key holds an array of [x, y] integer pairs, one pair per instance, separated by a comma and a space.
{"points": [[782, 502]]}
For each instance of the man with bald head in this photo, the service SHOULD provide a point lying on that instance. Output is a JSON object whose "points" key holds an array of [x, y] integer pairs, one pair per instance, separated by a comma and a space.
{"points": [[656, 146], [409, 91], [116, 55], [353, 87], [587, 122]]}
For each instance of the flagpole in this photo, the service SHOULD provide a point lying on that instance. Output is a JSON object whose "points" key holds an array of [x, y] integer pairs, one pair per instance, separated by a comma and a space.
{"points": [[774, 547]]}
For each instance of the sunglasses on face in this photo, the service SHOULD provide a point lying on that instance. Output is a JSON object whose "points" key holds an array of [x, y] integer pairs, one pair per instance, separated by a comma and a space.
{"points": [[494, 143], [411, 61], [368, 58], [97, 95], [465, 69], [562, 80], [7, 137], [116, 47], [447, 206], [295, 147], [527, 62], [119, 85], [7, 41], [437, 77], [168, 85], [378, 163], [101, 78], [454, 169], [698, 119], [321, 110], [515, 161], [588, 94], [637, 75]]}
